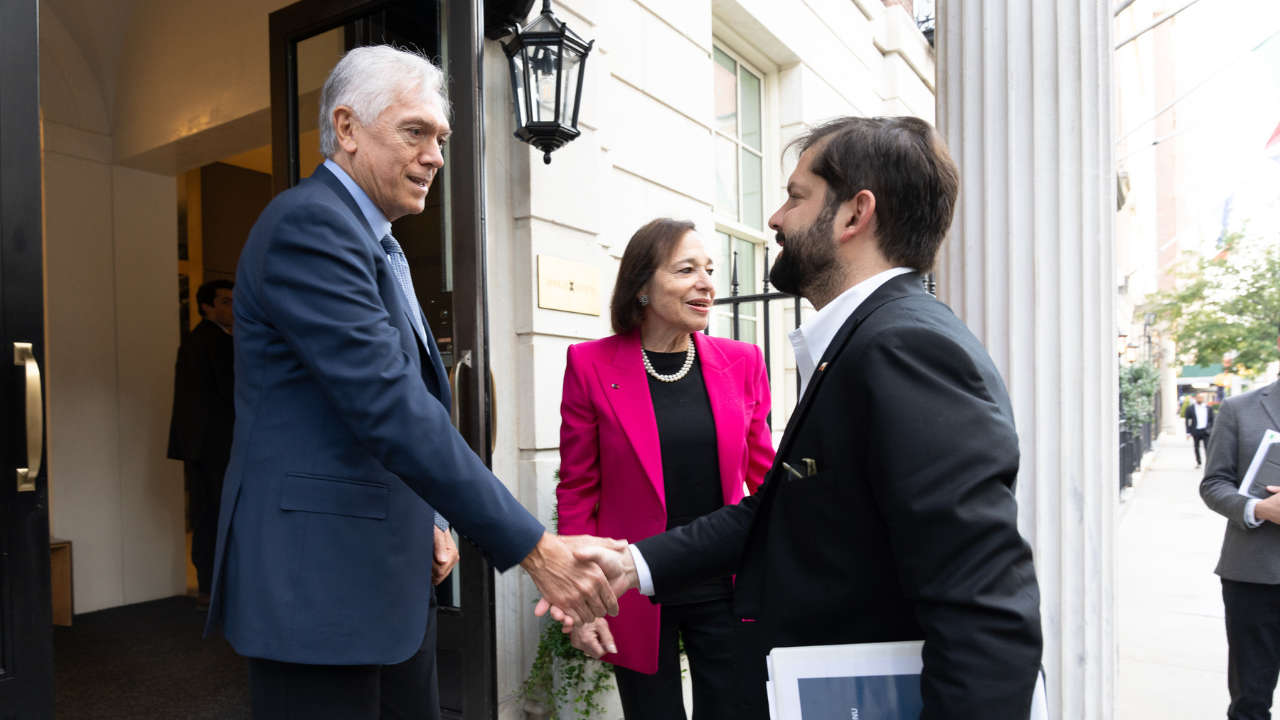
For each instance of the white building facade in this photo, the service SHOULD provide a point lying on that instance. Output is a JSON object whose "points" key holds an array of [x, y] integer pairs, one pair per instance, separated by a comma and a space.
{"points": [[687, 108]]}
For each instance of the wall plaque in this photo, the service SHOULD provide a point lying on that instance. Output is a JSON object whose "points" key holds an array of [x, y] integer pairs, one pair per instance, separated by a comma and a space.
{"points": [[567, 285]]}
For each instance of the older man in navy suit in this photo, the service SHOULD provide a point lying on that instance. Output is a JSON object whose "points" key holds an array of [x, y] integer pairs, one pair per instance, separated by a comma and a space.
{"points": [[344, 462]]}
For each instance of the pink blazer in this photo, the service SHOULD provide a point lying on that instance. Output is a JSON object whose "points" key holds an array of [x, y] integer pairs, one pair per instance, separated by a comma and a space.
{"points": [[611, 462]]}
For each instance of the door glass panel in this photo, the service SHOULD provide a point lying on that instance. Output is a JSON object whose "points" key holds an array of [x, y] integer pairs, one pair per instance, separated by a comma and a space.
{"points": [[423, 237], [316, 57], [726, 93], [726, 177]]}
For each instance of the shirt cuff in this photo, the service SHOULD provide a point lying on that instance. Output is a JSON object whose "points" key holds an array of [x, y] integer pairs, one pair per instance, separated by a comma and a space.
{"points": [[442, 523], [642, 571], [1249, 518]]}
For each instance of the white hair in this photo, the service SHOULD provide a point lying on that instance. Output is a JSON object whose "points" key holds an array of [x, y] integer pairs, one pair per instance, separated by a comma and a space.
{"points": [[369, 80]]}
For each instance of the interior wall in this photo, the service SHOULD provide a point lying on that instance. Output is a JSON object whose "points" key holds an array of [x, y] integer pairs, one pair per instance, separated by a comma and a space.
{"points": [[111, 259], [231, 198]]}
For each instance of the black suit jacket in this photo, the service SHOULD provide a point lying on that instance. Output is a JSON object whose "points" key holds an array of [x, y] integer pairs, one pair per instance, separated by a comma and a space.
{"points": [[204, 411], [1190, 416], [907, 531]]}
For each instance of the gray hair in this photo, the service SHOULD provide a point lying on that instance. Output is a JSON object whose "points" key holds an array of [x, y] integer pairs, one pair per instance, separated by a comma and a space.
{"points": [[369, 80]]}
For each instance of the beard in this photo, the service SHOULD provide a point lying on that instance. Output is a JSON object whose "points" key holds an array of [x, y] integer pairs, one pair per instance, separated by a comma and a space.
{"points": [[807, 265]]}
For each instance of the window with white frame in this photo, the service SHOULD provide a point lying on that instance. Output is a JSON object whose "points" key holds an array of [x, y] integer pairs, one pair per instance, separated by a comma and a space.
{"points": [[739, 141], [739, 199]]}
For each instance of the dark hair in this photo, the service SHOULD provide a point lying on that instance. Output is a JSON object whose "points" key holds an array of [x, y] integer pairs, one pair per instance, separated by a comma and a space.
{"points": [[647, 249], [208, 293], [905, 164]]}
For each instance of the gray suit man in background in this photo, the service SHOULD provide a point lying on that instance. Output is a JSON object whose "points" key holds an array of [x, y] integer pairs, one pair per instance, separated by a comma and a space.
{"points": [[1250, 562]]}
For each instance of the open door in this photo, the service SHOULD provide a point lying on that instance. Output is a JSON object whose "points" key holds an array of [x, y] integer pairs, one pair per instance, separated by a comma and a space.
{"points": [[26, 624], [445, 249]]}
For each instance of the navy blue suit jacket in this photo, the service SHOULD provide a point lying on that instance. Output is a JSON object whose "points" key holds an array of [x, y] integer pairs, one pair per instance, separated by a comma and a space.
{"points": [[343, 446]]}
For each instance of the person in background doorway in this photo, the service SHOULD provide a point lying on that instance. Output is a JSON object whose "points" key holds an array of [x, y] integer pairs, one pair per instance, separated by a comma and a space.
{"points": [[661, 425], [204, 415], [1250, 561], [1199, 417]]}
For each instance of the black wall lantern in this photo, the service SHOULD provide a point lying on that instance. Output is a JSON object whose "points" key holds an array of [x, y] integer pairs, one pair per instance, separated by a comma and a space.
{"points": [[547, 61]]}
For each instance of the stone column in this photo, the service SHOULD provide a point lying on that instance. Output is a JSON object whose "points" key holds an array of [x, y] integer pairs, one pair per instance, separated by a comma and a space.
{"points": [[1024, 101]]}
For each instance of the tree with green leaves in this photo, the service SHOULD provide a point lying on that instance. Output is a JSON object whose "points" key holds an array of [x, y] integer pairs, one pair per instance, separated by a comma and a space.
{"points": [[1227, 305]]}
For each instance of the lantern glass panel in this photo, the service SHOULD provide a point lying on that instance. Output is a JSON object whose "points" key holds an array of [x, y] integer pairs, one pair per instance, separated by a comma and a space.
{"points": [[543, 62], [519, 91], [569, 87]]}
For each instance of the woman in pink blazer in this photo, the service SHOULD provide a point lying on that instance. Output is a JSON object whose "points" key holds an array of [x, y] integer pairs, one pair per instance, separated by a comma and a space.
{"points": [[661, 425]]}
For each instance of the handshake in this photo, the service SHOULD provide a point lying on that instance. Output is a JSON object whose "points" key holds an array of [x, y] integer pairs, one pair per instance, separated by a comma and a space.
{"points": [[580, 578]]}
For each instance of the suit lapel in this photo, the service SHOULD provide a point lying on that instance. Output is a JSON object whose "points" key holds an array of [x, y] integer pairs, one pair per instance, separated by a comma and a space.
{"points": [[725, 392], [1271, 403], [626, 384], [323, 175]]}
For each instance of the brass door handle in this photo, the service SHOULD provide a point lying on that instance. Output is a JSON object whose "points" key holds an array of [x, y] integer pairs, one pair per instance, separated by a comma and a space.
{"points": [[22, 355], [465, 359]]}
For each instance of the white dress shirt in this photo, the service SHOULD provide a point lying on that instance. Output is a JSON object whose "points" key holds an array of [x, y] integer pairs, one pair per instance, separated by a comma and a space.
{"points": [[810, 342], [1202, 415]]}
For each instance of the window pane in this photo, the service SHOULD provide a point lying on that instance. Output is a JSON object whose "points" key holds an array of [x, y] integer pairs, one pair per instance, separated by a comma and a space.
{"points": [[724, 262], [726, 177], [752, 190], [750, 109], [746, 271], [726, 71]]}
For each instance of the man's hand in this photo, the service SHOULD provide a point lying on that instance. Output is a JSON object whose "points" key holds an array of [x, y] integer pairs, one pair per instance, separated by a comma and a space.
{"points": [[446, 556], [594, 638], [1269, 509], [612, 557], [576, 587]]}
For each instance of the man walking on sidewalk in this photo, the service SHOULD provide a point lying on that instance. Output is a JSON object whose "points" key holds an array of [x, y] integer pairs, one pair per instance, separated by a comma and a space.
{"points": [[1250, 562], [1199, 417]]}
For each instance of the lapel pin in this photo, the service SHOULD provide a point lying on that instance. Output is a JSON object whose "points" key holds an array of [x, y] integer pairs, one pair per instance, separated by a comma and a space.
{"points": [[822, 367], [615, 386]]}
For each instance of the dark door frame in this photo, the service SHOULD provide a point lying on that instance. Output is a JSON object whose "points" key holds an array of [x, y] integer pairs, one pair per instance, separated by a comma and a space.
{"points": [[470, 628], [26, 620]]}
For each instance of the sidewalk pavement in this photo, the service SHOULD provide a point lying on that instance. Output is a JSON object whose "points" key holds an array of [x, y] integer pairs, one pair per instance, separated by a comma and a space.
{"points": [[1173, 644]]}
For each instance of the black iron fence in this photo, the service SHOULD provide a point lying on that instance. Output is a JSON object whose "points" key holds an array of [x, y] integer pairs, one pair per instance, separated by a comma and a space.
{"points": [[736, 300], [1135, 445]]}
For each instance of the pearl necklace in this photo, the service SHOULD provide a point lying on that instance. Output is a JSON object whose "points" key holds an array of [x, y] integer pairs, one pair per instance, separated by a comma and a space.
{"points": [[688, 363]]}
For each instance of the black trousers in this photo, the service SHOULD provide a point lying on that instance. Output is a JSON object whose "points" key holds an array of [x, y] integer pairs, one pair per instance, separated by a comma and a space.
{"points": [[1200, 438], [708, 640], [294, 691], [204, 495], [1253, 640]]}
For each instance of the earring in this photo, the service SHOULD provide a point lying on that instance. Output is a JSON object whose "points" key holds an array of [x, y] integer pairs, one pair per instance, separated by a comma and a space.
{"points": [[644, 299]]}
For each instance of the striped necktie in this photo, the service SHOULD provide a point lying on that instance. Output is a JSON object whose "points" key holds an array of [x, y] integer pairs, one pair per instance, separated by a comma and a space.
{"points": [[400, 266]]}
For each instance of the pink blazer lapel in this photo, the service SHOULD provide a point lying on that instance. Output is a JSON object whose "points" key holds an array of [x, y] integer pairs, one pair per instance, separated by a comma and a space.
{"points": [[626, 385], [725, 389]]}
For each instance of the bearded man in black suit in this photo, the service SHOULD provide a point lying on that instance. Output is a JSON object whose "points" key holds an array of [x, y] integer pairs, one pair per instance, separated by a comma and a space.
{"points": [[889, 514]]}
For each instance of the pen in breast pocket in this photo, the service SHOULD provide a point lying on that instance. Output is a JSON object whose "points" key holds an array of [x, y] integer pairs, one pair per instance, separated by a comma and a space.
{"points": [[795, 473]]}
